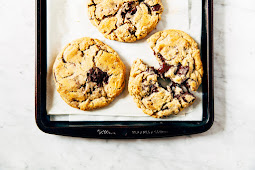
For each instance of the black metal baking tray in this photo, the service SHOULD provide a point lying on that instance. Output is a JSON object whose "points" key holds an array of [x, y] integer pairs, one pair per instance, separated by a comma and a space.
{"points": [[124, 129]]}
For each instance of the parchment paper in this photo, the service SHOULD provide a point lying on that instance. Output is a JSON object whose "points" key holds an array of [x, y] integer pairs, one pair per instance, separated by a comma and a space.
{"points": [[67, 20]]}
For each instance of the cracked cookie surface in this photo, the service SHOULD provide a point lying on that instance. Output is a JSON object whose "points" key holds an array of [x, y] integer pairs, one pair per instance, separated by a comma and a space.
{"points": [[181, 70], [179, 57], [125, 20], [88, 74]]}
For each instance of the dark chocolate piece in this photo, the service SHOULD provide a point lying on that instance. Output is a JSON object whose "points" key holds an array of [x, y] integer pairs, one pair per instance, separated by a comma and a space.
{"points": [[164, 68], [96, 75], [153, 89], [133, 11], [182, 70], [156, 7]]}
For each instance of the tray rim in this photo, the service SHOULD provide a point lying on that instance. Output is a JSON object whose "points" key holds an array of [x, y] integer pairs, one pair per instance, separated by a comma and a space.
{"points": [[122, 129]]}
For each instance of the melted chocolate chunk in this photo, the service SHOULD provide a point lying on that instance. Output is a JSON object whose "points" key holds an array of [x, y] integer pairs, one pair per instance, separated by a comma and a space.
{"points": [[160, 57], [130, 4], [156, 7], [177, 96], [133, 11], [186, 84], [151, 70], [96, 75], [64, 61], [164, 68], [123, 14], [153, 89], [129, 9], [182, 70], [131, 31]]}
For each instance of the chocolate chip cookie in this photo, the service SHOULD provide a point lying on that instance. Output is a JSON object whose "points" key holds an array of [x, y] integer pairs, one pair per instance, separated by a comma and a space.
{"points": [[179, 57], [181, 71], [125, 20], [88, 74]]}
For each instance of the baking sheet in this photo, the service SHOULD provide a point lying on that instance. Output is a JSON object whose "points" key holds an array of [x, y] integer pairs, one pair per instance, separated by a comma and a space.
{"points": [[67, 20]]}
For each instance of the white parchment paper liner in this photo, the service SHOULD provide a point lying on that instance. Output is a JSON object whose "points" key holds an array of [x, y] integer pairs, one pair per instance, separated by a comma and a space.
{"points": [[67, 20]]}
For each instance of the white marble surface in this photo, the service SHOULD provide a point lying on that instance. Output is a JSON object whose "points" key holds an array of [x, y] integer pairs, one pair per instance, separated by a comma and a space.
{"points": [[230, 144]]}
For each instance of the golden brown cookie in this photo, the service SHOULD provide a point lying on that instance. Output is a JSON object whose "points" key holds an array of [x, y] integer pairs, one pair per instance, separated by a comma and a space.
{"points": [[181, 72], [88, 74], [125, 20], [179, 57]]}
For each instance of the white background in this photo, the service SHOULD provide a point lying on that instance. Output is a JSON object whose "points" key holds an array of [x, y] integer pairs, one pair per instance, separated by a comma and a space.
{"points": [[230, 144]]}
